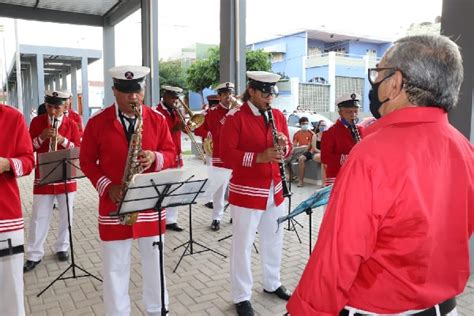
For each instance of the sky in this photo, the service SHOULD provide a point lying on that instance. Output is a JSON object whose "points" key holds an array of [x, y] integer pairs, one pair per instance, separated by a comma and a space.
{"points": [[185, 22]]}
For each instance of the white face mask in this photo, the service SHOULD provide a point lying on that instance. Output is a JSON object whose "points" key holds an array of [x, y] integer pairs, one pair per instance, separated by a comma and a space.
{"points": [[305, 127]]}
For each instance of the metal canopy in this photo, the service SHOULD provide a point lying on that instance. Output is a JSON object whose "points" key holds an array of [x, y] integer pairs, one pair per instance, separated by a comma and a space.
{"points": [[56, 59], [83, 12]]}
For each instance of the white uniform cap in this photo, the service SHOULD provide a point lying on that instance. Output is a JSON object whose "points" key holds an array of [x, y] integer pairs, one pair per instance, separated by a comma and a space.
{"points": [[174, 90], [66, 92], [129, 72], [57, 94], [263, 76], [55, 97], [225, 86], [348, 100]]}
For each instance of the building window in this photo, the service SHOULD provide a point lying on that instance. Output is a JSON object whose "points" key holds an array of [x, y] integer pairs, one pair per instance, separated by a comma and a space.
{"points": [[314, 51], [277, 57], [372, 52], [339, 51]]}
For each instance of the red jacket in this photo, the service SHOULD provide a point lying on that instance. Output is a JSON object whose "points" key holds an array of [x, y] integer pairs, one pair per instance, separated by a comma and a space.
{"points": [[214, 120], [336, 143], [395, 234], [76, 118], [17, 148], [246, 136], [68, 129], [175, 135], [103, 156]]}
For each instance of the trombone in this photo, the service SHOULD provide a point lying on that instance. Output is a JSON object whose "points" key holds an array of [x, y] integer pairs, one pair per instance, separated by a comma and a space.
{"points": [[195, 121]]}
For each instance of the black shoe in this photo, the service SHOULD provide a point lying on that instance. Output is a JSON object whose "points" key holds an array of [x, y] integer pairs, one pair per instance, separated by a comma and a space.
{"points": [[281, 292], [244, 308], [174, 227], [216, 225], [209, 205], [30, 265], [62, 255]]}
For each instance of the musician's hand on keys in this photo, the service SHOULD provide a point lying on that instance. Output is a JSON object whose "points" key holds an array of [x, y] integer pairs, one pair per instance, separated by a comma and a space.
{"points": [[146, 158], [269, 155], [47, 133], [60, 139], [115, 193], [4, 165], [282, 140]]}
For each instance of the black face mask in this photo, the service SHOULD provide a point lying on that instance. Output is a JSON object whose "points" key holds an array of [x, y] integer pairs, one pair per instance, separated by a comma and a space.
{"points": [[375, 102]]}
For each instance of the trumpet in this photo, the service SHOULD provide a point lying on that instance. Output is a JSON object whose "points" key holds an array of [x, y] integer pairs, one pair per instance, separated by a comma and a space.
{"points": [[195, 120], [234, 102], [53, 141]]}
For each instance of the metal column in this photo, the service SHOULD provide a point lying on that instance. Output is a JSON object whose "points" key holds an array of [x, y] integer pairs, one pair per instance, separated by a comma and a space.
{"points": [[150, 50], [108, 32], [85, 89], [457, 23], [232, 47]]}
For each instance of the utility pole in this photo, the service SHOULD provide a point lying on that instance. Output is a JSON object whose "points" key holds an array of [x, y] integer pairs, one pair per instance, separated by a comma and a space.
{"points": [[19, 87]]}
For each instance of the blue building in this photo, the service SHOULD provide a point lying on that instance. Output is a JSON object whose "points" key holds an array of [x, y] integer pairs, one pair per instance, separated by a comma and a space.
{"points": [[326, 65]]}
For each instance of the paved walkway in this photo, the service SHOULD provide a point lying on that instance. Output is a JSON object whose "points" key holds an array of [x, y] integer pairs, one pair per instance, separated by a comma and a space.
{"points": [[200, 286]]}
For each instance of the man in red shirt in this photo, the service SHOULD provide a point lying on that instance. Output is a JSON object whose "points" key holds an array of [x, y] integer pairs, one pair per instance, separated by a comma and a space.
{"points": [[255, 189], [103, 158], [338, 140], [212, 129], [395, 238], [43, 132], [168, 108], [16, 160]]}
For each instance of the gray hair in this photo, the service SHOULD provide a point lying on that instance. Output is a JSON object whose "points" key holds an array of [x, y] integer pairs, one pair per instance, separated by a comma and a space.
{"points": [[432, 69]]}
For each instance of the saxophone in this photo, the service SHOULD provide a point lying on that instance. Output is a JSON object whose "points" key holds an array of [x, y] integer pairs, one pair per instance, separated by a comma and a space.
{"points": [[132, 166], [53, 141], [355, 131]]}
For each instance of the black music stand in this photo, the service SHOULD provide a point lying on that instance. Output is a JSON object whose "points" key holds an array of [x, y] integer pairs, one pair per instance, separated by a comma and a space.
{"points": [[155, 191], [289, 162], [56, 167]]}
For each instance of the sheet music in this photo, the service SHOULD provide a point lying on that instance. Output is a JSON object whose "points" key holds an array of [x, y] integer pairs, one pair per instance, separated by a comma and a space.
{"points": [[141, 195], [51, 170]]}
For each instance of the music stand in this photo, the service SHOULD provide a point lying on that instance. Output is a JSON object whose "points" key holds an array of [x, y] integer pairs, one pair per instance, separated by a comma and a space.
{"points": [[289, 162], [156, 191], [56, 167]]}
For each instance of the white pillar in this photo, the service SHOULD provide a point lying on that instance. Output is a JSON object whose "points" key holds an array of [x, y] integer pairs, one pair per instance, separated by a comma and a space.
{"points": [[85, 89], [108, 45]]}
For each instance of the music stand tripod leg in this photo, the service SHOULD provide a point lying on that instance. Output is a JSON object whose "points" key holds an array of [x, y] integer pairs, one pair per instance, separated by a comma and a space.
{"points": [[188, 250], [63, 163]]}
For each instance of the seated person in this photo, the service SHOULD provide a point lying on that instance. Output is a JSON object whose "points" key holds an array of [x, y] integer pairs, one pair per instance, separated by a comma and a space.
{"points": [[319, 128], [302, 138]]}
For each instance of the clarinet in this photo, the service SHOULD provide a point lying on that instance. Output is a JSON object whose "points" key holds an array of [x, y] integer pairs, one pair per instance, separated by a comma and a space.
{"points": [[355, 131], [281, 164]]}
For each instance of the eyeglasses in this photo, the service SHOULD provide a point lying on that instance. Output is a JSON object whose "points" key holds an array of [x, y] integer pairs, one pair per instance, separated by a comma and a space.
{"points": [[265, 95], [373, 73]]}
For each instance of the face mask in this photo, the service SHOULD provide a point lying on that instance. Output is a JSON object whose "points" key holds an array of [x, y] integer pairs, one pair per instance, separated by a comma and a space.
{"points": [[305, 127], [322, 128], [375, 102]]}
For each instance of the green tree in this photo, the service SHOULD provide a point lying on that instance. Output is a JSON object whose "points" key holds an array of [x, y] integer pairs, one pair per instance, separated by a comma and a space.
{"points": [[205, 73], [172, 74], [258, 60]]}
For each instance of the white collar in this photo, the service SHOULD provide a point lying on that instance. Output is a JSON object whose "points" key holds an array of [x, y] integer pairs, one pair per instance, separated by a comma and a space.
{"points": [[254, 109], [117, 111]]}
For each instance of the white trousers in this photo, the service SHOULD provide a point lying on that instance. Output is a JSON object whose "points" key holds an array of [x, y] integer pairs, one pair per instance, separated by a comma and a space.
{"points": [[171, 215], [116, 272], [218, 198], [11, 277], [40, 220], [245, 223]]}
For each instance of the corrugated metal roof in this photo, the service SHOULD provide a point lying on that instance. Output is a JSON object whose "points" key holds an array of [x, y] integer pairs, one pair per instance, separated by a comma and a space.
{"points": [[94, 7]]}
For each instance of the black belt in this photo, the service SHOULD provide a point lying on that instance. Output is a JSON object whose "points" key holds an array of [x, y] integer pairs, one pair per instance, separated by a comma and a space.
{"points": [[12, 251], [444, 308]]}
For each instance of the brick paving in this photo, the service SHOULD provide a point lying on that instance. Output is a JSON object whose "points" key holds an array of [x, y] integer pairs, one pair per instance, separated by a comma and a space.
{"points": [[201, 284]]}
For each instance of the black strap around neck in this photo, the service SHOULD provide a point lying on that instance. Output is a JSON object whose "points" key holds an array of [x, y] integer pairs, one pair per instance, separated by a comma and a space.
{"points": [[265, 117], [131, 125]]}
